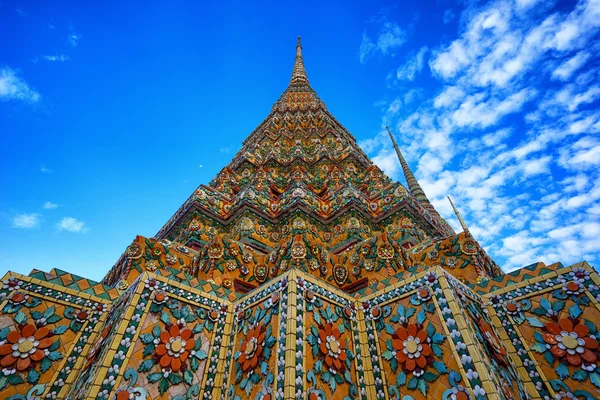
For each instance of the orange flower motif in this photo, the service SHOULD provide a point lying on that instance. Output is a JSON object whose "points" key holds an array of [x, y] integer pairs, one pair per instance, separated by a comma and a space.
{"points": [[175, 347], [411, 347], [252, 348], [332, 348], [25, 347], [571, 342]]}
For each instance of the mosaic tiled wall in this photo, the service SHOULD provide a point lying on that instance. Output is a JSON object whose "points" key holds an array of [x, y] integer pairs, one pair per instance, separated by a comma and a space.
{"points": [[45, 331], [426, 336]]}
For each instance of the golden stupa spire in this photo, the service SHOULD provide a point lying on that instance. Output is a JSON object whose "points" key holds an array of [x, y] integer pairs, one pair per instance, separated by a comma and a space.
{"points": [[299, 73], [462, 222], [413, 186]]}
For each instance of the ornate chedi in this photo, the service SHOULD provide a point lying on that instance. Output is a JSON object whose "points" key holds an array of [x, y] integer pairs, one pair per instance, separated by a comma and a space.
{"points": [[303, 272]]}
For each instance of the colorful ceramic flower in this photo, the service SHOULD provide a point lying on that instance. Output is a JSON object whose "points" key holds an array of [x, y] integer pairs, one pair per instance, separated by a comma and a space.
{"points": [[571, 342], [332, 348], [25, 347], [411, 347], [252, 348], [175, 346]]}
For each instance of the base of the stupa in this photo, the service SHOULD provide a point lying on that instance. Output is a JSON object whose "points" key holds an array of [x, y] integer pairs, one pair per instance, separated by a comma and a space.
{"points": [[421, 334]]}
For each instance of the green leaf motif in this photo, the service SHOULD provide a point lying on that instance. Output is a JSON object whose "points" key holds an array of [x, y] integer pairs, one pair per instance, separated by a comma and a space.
{"points": [[389, 329], [55, 355], [45, 365], [595, 378], [146, 365], [15, 379], [423, 386], [545, 303], [49, 312], [580, 375], [575, 311], [421, 317], [59, 330], [440, 367], [412, 383], [558, 306], [533, 321], [188, 377], [149, 349], [430, 376], [401, 379], [438, 338], [387, 355], [163, 385], [563, 371], [33, 376], [539, 347], [201, 355], [164, 317], [154, 377], [147, 338], [175, 379], [20, 318]]}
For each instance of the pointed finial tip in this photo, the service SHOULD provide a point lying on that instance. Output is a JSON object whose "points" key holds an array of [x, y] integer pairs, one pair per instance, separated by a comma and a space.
{"points": [[299, 44]]}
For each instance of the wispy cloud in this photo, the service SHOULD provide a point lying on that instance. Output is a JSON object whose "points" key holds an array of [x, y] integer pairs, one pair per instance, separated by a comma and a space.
{"points": [[74, 37], [26, 221], [413, 65], [511, 130], [13, 87], [224, 149], [58, 58], [70, 224], [390, 37], [45, 170], [50, 205], [448, 16]]}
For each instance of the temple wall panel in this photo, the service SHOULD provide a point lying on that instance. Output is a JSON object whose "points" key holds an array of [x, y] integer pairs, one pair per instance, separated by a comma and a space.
{"points": [[551, 322], [164, 340], [45, 331]]}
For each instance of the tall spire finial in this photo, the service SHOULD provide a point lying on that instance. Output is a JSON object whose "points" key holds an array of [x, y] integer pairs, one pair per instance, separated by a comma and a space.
{"points": [[299, 73], [413, 185], [462, 222]]}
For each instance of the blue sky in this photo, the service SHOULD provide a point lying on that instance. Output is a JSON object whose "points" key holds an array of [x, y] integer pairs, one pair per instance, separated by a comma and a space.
{"points": [[111, 113]]}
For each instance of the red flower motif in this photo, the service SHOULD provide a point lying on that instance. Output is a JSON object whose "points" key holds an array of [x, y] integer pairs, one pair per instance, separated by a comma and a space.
{"points": [[252, 348], [571, 342], [411, 347], [25, 347], [332, 348], [175, 347]]}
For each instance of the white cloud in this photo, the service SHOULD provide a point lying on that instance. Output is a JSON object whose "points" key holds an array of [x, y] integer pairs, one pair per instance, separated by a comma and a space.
{"points": [[413, 66], [74, 37], [567, 68], [50, 205], [511, 132], [390, 37], [71, 225], [12, 87], [59, 58], [26, 221], [45, 170]]}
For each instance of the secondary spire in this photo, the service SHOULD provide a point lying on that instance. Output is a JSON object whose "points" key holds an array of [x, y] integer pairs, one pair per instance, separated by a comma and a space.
{"points": [[299, 73], [462, 222], [413, 186]]}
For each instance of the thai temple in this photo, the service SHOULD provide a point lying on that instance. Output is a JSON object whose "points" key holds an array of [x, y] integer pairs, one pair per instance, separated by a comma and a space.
{"points": [[302, 271]]}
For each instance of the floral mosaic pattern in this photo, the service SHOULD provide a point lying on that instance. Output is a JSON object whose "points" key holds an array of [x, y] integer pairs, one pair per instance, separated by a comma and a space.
{"points": [[558, 331], [328, 322], [37, 338]]}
